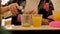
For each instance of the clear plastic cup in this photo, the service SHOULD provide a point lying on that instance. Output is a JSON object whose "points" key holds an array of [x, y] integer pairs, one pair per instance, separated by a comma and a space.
{"points": [[26, 20], [37, 20]]}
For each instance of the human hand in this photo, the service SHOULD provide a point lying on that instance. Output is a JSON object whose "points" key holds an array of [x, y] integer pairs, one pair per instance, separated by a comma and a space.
{"points": [[13, 8], [32, 12]]}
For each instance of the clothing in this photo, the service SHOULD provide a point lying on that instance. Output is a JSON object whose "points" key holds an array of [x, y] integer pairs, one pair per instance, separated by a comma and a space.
{"points": [[43, 11]]}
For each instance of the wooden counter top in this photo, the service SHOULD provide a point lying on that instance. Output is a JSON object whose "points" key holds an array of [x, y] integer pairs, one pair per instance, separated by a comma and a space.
{"points": [[43, 27]]}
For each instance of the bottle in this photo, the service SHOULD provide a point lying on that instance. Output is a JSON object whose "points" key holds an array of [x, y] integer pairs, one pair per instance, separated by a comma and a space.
{"points": [[14, 19]]}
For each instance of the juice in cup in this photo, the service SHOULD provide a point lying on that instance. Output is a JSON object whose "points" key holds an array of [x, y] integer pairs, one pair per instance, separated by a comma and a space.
{"points": [[56, 15], [36, 20], [26, 20], [8, 22]]}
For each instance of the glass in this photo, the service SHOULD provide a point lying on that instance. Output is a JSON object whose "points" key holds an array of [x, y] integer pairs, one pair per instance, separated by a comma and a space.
{"points": [[8, 22], [56, 15], [36, 20], [26, 20]]}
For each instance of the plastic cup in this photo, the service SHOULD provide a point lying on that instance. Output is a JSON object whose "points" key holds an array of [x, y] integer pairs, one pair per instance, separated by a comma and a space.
{"points": [[36, 20]]}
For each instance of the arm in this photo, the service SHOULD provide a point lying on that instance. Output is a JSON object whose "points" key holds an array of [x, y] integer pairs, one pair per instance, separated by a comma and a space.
{"points": [[4, 9], [12, 7]]}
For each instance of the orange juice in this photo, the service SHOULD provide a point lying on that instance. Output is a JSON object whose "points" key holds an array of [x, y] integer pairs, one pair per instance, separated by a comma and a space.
{"points": [[36, 21], [8, 22], [56, 15]]}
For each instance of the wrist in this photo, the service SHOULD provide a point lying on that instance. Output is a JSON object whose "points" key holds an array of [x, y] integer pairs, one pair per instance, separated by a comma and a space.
{"points": [[8, 8]]}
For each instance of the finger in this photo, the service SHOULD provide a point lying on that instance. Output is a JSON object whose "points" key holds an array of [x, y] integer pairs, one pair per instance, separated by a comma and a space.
{"points": [[12, 11], [16, 11], [30, 12], [33, 12], [11, 7]]}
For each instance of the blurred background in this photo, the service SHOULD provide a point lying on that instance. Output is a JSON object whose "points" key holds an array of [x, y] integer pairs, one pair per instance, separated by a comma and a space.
{"points": [[56, 3]]}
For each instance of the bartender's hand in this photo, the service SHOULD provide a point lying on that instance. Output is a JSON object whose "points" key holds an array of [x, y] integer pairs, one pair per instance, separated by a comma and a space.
{"points": [[13, 8], [32, 12]]}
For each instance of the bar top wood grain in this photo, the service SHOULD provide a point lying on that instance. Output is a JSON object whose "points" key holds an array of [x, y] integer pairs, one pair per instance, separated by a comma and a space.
{"points": [[43, 27]]}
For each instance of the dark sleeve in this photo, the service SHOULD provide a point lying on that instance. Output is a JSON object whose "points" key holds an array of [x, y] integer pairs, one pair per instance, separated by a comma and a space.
{"points": [[51, 5], [40, 5], [40, 9], [44, 12], [51, 8]]}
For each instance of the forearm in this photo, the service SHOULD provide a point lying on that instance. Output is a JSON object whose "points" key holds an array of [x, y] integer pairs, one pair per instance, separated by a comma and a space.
{"points": [[4, 9]]}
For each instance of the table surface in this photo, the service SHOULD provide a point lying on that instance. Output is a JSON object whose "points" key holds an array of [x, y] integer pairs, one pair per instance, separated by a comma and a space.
{"points": [[12, 27], [43, 27]]}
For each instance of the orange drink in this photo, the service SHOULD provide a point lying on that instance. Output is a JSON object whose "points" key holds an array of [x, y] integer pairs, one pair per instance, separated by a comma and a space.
{"points": [[8, 22], [56, 15], [36, 20]]}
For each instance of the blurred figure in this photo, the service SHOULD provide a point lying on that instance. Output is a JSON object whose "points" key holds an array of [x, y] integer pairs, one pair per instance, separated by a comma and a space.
{"points": [[46, 8]]}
